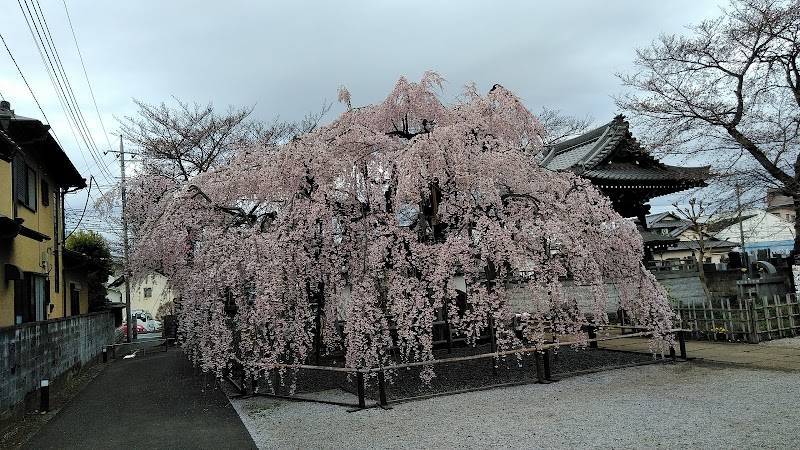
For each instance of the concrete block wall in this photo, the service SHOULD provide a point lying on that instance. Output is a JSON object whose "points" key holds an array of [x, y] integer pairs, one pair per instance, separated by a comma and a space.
{"points": [[683, 286], [48, 350]]}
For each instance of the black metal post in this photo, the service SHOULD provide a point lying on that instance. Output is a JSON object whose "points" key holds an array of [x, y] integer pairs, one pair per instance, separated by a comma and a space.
{"points": [[682, 342], [105, 354], [672, 352], [362, 403], [382, 389]]}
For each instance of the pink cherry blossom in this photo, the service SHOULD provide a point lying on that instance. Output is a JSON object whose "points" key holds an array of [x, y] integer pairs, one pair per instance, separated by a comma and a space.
{"points": [[346, 213]]}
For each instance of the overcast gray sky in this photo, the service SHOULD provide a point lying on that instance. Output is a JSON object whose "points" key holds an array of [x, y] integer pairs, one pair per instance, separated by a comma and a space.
{"points": [[287, 58]]}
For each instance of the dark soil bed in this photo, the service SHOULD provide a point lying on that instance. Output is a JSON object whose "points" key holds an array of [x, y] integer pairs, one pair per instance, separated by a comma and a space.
{"points": [[460, 375]]}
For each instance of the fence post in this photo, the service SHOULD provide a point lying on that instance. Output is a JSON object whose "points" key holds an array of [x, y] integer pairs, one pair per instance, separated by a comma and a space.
{"points": [[539, 367], [317, 333], [546, 355], [682, 344], [492, 343], [382, 389], [362, 403], [754, 320], [592, 332]]}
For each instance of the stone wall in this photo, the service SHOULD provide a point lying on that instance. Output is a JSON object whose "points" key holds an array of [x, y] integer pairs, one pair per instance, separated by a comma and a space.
{"points": [[49, 350], [683, 286]]}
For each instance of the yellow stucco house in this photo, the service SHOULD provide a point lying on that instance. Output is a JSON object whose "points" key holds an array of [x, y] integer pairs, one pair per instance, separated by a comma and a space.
{"points": [[40, 280]]}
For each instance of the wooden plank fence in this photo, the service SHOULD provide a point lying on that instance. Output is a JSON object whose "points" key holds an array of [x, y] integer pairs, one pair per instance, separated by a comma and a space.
{"points": [[745, 320]]}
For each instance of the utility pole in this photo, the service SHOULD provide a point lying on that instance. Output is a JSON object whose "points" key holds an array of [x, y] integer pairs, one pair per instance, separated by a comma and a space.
{"points": [[125, 271]]}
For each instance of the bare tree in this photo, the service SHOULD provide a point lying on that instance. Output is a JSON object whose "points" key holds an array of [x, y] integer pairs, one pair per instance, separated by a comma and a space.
{"points": [[560, 127], [699, 222], [729, 94], [179, 143]]}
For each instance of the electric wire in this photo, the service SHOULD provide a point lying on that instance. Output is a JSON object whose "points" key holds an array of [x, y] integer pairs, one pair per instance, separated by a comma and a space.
{"points": [[43, 22], [86, 75], [50, 74], [66, 86], [26, 83], [91, 178]]}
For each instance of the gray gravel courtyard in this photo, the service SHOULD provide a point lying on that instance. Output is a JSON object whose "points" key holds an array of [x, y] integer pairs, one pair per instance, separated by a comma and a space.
{"points": [[682, 405]]}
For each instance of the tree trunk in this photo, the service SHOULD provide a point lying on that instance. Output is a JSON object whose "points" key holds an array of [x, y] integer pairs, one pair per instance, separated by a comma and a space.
{"points": [[702, 272], [796, 200]]}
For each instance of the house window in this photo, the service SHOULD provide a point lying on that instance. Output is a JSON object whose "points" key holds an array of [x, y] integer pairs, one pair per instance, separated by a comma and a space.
{"points": [[31, 300], [74, 299], [148, 292], [25, 184]]}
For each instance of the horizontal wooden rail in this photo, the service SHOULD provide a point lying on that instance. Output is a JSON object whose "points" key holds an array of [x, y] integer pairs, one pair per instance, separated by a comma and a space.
{"points": [[466, 358]]}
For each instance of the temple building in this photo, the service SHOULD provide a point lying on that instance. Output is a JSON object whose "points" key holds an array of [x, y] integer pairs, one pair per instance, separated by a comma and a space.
{"points": [[614, 161]]}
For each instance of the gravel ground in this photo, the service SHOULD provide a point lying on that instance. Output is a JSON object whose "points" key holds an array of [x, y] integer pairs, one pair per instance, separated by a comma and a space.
{"points": [[784, 342], [682, 405]]}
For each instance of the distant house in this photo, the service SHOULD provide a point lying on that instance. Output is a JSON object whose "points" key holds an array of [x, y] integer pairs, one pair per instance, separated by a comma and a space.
{"points": [[687, 246], [41, 280], [148, 295], [780, 205], [762, 231]]}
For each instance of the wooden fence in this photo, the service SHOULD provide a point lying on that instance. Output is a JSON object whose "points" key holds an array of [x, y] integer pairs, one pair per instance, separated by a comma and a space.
{"points": [[749, 320]]}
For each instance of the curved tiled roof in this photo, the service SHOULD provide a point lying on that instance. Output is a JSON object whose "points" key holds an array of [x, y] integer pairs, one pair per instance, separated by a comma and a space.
{"points": [[611, 153]]}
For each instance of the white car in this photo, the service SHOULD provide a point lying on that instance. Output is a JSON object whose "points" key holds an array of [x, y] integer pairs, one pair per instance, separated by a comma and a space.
{"points": [[152, 325]]}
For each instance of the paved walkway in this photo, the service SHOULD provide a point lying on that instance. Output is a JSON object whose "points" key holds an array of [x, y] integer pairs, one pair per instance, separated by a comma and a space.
{"points": [[157, 400], [152, 401], [780, 354]]}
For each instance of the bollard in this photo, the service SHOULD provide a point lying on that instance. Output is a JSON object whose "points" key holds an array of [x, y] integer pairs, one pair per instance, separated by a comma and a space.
{"points": [[44, 397], [105, 354], [682, 342]]}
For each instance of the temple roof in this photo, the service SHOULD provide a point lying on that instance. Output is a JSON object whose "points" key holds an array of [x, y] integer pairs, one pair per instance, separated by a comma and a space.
{"points": [[611, 157]]}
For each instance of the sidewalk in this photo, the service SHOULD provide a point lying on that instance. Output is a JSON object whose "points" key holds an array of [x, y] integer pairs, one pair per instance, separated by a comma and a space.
{"points": [[152, 401], [780, 354]]}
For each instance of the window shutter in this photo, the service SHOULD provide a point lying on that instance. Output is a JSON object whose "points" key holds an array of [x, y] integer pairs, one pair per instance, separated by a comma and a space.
{"points": [[31, 200], [20, 179], [45, 193]]}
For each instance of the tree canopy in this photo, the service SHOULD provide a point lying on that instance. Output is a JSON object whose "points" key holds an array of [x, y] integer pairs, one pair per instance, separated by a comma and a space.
{"points": [[373, 217], [94, 246], [729, 94]]}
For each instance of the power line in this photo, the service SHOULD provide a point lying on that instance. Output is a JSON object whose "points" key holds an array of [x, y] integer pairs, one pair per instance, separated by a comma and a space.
{"points": [[79, 114], [63, 87], [26, 82], [86, 75], [91, 178]]}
